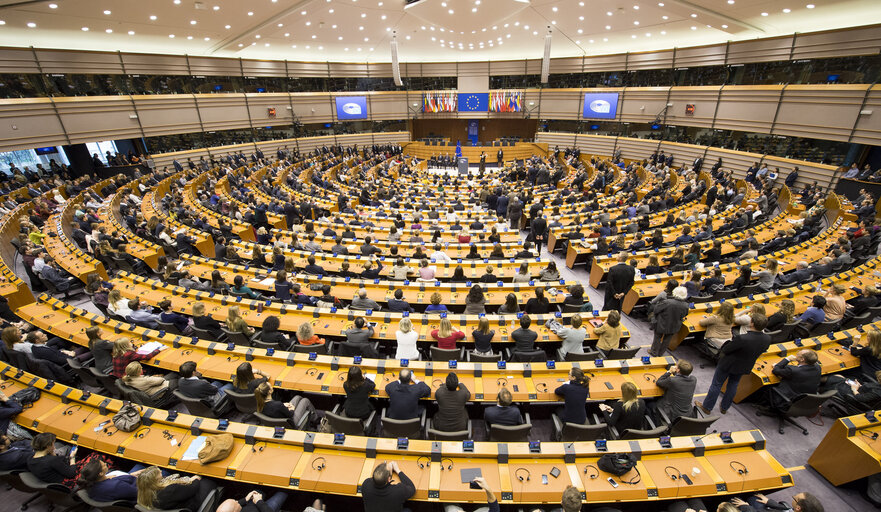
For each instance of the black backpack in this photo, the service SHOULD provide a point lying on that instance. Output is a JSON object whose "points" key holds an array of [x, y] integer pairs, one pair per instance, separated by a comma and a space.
{"points": [[26, 396]]}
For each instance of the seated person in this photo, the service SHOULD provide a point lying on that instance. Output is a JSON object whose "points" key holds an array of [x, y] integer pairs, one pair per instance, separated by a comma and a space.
{"points": [[205, 322], [504, 412], [362, 302], [271, 333], [451, 398], [306, 335], [814, 314], [14, 455], [192, 385], [627, 413], [435, 306], [575, 393], [398, 304], [293, 411], [154, 386], [181, 323], [160, 493], [104, 485], [446, 336], [795, 380], [49, 466], [239, 287], [524, 337], [254, 502], [359, 337], [404, 395]]}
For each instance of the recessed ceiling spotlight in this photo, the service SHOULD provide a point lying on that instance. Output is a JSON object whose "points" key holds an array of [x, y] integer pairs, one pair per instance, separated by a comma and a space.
{"points": [[216, 7], [171, 36], [241, 44], [693, 15], [109, 31], [228, 27], [330, 11], [207, 38], [250, 13], [153, 17], [308, 23], [383, 17], [131, 32], [340, 38], [303, 13], [258, 36], [267, 45], [764, 14], [663, 32], [605, 39], [366, 39], [450, 11], [660, 4], [333, 26], [810, 6], [554, 9], [608, 13], [534, 33], [363, 14], [693, 28], [665, 17], [608, 27], [189, 38], [636, 23], [474, 9], [176, 2], [192, 22], [724, 26], [408, 38], [287, 34], [280, 25], [633, 36], [32, 25], [53, 6], [85, 29], [636, 7], [107, 13], [580, 31], [787, 11]]}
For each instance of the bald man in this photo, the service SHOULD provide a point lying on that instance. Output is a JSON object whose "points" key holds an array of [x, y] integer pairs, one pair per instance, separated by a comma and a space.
{"points": [[404, 395]]}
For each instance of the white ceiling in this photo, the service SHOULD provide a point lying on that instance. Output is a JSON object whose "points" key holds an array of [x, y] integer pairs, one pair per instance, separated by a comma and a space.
{"points": [[431, 31]]}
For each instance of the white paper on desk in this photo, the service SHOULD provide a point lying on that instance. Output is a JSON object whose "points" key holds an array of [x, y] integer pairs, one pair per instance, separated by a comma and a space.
{"points": [[146, 348], [192, 452], [371, 376], [268, 281]]}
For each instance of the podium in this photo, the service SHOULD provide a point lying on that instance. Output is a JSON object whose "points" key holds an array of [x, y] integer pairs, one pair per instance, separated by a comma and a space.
{"points": [[463, 166]]}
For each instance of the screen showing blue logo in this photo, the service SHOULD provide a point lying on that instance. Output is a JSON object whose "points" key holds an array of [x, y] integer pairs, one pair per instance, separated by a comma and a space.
{"points": [[473, 102], [351, 107], [600, 105]]}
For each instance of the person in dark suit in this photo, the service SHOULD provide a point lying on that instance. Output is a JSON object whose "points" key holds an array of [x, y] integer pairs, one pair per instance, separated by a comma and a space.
{"points": [[738, 357], [185, 243], [14, 455], [524, 337], [192, 385], [451, 398], [799, 379], [205, 322], [802, 273], [678, 384], [358, 390], [504, 412], [667, 320], [540, 230], [619, 282], [404, 395], [627, 413]]}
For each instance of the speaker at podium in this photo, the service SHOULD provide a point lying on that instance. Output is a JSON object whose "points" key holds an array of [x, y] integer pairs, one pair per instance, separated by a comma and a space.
{"points": [[463, 165]]}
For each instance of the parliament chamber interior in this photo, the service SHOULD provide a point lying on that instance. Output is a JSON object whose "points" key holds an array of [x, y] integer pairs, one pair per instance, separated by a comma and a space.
{"points": [[440, 255]]}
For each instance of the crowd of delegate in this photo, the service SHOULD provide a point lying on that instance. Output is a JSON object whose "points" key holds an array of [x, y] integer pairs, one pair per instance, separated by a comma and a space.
{"points": [[506, 195]]}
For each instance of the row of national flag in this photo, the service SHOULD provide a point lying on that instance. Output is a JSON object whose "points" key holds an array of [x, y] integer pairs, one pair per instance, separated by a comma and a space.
{"points": [[505, 101], [439, 101], [451, 101]]}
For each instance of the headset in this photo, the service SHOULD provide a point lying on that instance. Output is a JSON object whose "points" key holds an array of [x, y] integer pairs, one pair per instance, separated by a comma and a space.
{"points": [[739, 467], [423, 465], [595, 475], [109, 432], [448, 468], [437, 382], [673, 476], [312, 371], [255, 449], [320, 465], [142, 432], [541, 387], [517, 474], [871, 435], [342, 377], [232, 358], [167, 435], [187, 352], [650, 378], [71, 409], [501, 381]]}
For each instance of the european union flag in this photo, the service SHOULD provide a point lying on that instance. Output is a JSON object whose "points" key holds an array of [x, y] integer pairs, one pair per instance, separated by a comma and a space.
{"points": [[474, 102]]}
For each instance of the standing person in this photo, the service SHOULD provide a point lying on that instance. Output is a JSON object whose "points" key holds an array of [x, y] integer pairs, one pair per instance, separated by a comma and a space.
{"points": [[738, 357], [678, 384], [668, 317], [619, 282], [801, 502], [380, 495], [451, 398]]}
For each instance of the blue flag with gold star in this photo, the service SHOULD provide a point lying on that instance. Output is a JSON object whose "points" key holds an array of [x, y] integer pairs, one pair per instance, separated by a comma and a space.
{"points": [[473, 101]]}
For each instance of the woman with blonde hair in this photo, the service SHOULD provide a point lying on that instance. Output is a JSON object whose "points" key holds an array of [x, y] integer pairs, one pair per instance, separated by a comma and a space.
{"points": [[406, 338], [869, 354], [609, 332], [718, 326], [767, 276], [124, 353], [835, 303], [744, 318], [483, 335], [154, 386], [446, 336], [784, 315], [627, 413], [289, 266], [162, 493], [235, 322], [117, 305]]}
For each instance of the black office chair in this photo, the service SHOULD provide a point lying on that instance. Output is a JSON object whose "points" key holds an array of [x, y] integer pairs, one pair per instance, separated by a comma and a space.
{"points": [[57, 494], [105, 506], [324, 349], [447, 354], [588, 355], [783, 334], [724, 293], [856, 321], [511, 434], [440, 435], [652, 433], [168, 327], [203, 334], [240, 339], [83, 373], [822, 328], [340, 423], [245, 403], [268, 421], [570, 432], [571, 308], [531, 356], [622, 353], [108, 382], [750, 289], [804, 406], [13, 479], [195, 406], [411, 429], [687, 426], [474, 357]]}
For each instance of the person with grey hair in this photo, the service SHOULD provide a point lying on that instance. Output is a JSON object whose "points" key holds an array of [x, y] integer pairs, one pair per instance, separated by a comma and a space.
{"points": [[668, 317], [361, 301]]}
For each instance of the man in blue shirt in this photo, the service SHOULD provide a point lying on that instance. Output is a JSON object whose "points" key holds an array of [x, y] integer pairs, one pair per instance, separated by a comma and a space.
{"points": [[685, 237]]}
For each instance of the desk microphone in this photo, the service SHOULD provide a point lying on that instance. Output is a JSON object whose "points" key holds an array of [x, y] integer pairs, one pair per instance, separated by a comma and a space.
{"points": [[705, 435]]}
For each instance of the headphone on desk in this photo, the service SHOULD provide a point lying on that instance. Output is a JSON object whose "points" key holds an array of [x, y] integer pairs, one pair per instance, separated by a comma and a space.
{"points": [[321, 465], [448, 468], [517, 474], [541, 387], [142, 432], [592, 475], [501, 381], [673, 476], [71, 409], [739, 467], [255, 449]]}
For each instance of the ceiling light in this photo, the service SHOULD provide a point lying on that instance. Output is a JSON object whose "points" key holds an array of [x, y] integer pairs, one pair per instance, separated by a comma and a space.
{"points": [[314, 36], [608, 27], [346, 49], [810, 6], [340, 38], [32, 25], [107, 13], [553, 23], [525, 27], [450, 11], [554, 9], [580, 31], [333, 26], [257, 36], [608, 13], [171, 36], [216, 7], [308, 23], [176, 2], [633, 36], [517, 23], [307, 47], [207, 38], [363, 14], [280, 25], [109, 31], [153, 17], [287, 34], [330, 11], [665, 17], [636, 23], [660, 4], [636, 7], [131, 32], [85, 29], [663, 32], [228, 27], [240, 45], [730, 2], [591, 41], [250, 13], [534, 33], [359, 49], [724, 26], [189, 38], [693, 28], [581, 18], [366, 39], [303, 13], [605, 39], [383, 17], [408, 38], [787, 11], [764, 14], [648, 34], [320, 47], [474, 9], [192, 22], [267, 44], [693, 15], [53, 6]]}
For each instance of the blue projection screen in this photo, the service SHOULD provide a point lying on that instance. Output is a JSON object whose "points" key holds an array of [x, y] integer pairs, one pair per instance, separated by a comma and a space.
{"points": [[351, 107], [600, 105]]}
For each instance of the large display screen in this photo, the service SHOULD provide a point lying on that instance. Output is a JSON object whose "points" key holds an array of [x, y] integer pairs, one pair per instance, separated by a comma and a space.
{"points": [[600, 105], [351, 107]]}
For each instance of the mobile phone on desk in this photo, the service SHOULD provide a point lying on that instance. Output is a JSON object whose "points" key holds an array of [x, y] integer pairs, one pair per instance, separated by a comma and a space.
{"points": [[613, 482]]}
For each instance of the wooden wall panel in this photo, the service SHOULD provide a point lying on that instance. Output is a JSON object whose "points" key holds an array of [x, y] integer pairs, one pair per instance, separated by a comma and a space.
{"points": [[217, 66], [700, 56], [223, 111], [348, 69], [438, 69], [90, 118], [66, 61], [808, 172], [153, 64], [168, 114], [307, 69], [597, 145], [29, 123], [390, 106], [683, 154], [662, 59], [490, 129], [760, 50], [557, 139], [736, 161], [747, 108], [259, 105], [313, 107], [254, 67], [704, 100], [868, 128], [560, 103], [819, 111], [595, 63], [639, 104], [636, 149], [18, 60], [566, 65], [856, 41]]}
